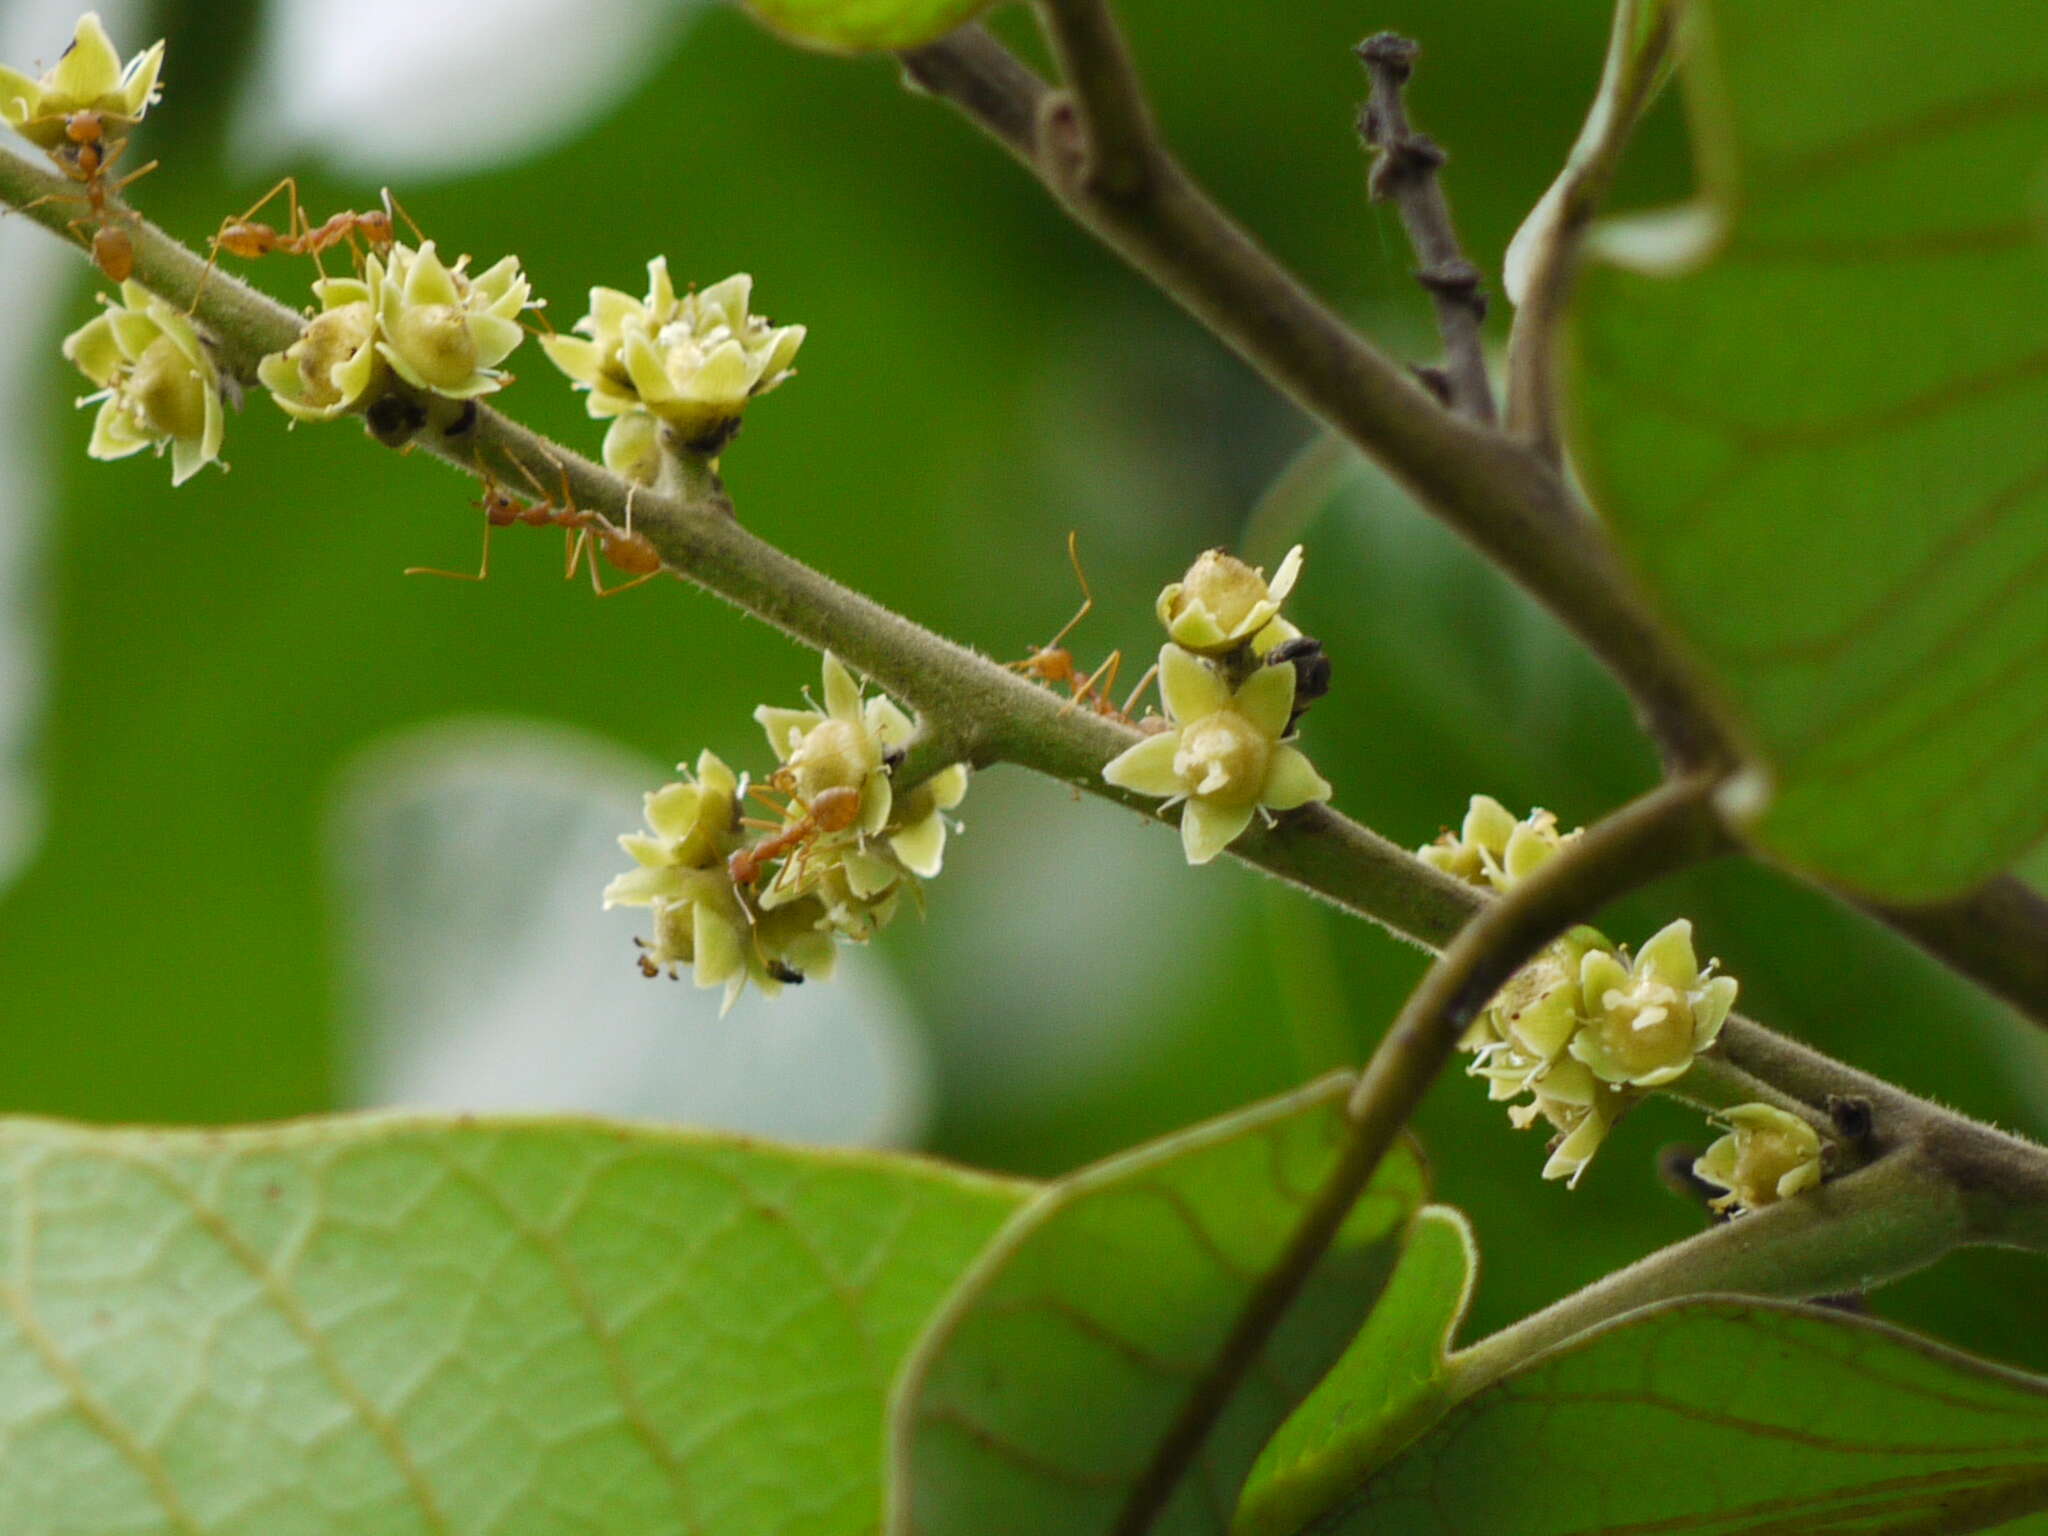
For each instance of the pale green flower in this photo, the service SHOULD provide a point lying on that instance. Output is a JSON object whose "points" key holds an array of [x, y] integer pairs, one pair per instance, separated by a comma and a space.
{"points": [[158, 384], [1222, 603], [1539, 1009], [1493, 849], [1579, 1107], [442, 330], [843, 746], [693, 824], [334, 366], [693, 360], [1646, 1021], [1767, 1156], [1223, 755], [88, 78]]}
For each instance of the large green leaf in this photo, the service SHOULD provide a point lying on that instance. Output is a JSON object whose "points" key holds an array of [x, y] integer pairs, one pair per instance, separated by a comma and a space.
{"points": [[1392, 1381], [386, 1325], [1039, 1397], [1812, 407], [854, 26], [1728, 1417]]}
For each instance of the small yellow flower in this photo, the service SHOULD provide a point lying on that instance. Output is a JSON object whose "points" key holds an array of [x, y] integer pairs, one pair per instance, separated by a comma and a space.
{"points": [[334, 366], [441, 329], [1538, 1011], [843, 746], [158, 384], [1767, 1156], [692, 360], [1222, 603], [1580, 1108], [1492, 849], [1645, 1022], [88, 78], [1224, 754]]}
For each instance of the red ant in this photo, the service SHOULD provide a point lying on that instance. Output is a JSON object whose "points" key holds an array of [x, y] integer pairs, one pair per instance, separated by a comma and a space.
{"points": [[86, 159], [834, 810], [1053, 664], [627, 551], [245, 237]]}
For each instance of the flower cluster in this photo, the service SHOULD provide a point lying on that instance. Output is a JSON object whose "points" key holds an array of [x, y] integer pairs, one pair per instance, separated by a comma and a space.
{"points": [[159, 386], [767, 900], [81, 110], [1583, 1029], [1226, 753], [1491, 848], [669, 366], [410, 314]]}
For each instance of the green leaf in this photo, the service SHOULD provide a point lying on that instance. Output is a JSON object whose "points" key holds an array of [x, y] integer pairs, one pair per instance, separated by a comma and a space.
{"points": [[390, 1325], [1392, 1381], [860, 26], [1723, 1416], [1040, 1395], [1811, 406]]}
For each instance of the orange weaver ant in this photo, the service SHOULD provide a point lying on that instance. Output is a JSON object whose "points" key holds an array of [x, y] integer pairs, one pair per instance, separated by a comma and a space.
{"points": [[86, 159], [834, 810], [1053, 664], [247, 238], [627, 551]]}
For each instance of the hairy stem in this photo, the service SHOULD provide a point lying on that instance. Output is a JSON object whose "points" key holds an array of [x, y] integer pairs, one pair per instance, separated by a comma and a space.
{"points": [[1669, 828], [1900, 1214], [1407, 172]]}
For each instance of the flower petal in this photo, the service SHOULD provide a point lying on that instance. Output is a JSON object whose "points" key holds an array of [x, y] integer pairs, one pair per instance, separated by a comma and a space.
{"points": [[1284, 578], [1291, 780], [1189, 687], [922, 845], [1267, 699], [1668, 956], [842, 693], [1207, 829], [1147, 768], [1710, 1010], [90, 67]]}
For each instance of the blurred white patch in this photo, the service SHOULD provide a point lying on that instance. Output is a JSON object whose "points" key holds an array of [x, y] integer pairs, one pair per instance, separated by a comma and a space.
{"points": [[1066, 938], [480, 972], [34, 268], [397, 88]]}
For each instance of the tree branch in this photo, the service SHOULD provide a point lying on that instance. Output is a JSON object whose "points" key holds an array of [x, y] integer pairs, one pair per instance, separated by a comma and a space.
{"points": [[1667, 829], [1504, 499], [971, 709], [1406, 171], [1117, 146]]}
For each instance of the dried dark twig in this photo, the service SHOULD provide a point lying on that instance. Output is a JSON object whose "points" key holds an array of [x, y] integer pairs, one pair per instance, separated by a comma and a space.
{"points": [[1405, 172]]}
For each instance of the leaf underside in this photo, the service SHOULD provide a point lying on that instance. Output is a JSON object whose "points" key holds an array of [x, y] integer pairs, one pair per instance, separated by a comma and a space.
{"points": [[1812, 407], [1040, 1396], [382, 1325], [859, 26], [1730, 1417]]}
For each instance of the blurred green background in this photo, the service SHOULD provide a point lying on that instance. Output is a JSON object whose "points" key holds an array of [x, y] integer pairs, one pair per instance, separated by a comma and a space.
{"points": [[303, 834]]}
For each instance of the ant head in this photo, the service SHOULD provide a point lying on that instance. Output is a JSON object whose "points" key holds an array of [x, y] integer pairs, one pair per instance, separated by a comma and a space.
{"points": [[85, 126]]}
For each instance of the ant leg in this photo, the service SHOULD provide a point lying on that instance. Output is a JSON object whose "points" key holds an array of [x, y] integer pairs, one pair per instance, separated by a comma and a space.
{"points": [[1131, 703], [482, 573], [254, 245], [1087, 597], [602, 590], [1102, 683], [395, 210]]}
